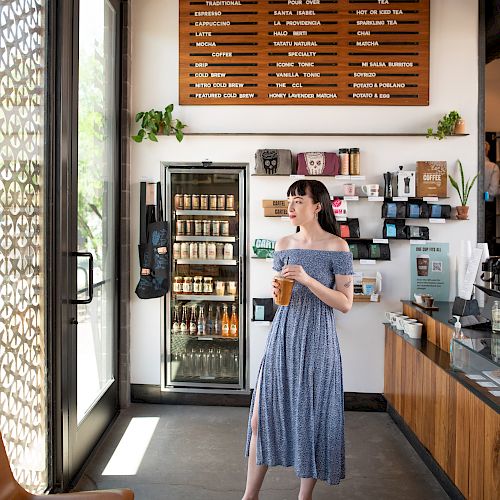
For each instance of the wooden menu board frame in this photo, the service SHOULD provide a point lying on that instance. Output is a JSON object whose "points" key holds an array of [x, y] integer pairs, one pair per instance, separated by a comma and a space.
{"points": [[318, 52]]}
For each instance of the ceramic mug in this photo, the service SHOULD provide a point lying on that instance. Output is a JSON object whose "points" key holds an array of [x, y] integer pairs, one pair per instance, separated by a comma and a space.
{"points": [[414, 330], [400, 322], [428, 300], [349, 189], [407, 322], [390, 316], [370, 189]]}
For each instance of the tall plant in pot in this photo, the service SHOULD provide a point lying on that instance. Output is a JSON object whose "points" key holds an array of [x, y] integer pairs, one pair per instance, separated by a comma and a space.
{"points": [[463, 190]]}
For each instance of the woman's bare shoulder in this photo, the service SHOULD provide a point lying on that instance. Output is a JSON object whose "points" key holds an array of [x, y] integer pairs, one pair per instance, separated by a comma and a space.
{"points": [[335, 243], [284, 243]]}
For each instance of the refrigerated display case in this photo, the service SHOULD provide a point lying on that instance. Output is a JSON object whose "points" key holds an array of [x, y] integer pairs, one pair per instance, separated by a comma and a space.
{"points": [[205, 323]]}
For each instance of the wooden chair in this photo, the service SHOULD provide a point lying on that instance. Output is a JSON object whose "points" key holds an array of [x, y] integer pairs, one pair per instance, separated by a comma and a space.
{"points": [[10, 489]]}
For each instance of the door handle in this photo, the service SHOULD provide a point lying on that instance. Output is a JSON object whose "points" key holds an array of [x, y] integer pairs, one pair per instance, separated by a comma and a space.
{"points": [[90, 284]]}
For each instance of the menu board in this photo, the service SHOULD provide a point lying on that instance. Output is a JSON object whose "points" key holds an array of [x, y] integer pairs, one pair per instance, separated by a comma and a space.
{"points": [[321, 52]]}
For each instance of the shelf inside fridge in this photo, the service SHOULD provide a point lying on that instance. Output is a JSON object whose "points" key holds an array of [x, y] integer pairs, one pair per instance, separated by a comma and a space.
{"points": [[219, 262], [206, 337], [208, 298], [227, 213], [222, 239]]}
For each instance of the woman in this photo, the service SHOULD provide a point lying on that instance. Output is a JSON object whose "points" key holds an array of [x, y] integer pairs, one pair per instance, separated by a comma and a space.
{"points": [[297, 411]]}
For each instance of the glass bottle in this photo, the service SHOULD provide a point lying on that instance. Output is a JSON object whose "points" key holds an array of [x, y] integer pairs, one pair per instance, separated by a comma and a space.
{"points": [[233, 324], [184, 321], [225, 322], [217, 323], [495, 316], [193, 325], [201, 321], [175, 324], [210, 322]]}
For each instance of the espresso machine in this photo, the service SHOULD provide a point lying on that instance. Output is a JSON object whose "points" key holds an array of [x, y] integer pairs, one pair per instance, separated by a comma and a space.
{"points": [[491, 273]]}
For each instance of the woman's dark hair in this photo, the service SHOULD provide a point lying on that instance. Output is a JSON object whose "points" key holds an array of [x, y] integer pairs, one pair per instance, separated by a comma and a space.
{"points": [[319, 194]]}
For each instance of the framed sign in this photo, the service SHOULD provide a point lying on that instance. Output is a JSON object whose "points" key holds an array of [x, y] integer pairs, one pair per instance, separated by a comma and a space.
{"points": [[326, 52]]}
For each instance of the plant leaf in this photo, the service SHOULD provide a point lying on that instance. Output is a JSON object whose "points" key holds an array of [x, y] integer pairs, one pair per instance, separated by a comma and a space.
{"points": [[137, 138], [461, 175], [179, 135], [138, 116], [152, 137], [455, 185], [169, 108]]}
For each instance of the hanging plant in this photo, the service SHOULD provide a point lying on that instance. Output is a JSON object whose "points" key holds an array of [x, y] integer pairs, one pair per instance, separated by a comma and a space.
{"points": [[154, 123], [446, 126]]}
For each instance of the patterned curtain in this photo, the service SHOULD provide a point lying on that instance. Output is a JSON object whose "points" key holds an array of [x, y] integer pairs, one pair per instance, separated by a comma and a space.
{"points": [[23, 389]]}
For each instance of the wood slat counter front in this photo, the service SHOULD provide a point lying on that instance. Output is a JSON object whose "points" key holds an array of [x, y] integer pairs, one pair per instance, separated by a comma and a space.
{"points": [[454, 420]]}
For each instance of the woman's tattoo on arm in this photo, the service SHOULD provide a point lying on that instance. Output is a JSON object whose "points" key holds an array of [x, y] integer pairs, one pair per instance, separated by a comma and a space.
{"points": [[348, 284]]}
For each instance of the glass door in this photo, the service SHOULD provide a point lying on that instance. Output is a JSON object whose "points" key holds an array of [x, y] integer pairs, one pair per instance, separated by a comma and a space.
{"points": [[94, 225], [205, 327]]}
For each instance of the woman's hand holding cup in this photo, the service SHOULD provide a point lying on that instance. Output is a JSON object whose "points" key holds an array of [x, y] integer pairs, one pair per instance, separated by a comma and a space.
{"points": [[276, 288]]}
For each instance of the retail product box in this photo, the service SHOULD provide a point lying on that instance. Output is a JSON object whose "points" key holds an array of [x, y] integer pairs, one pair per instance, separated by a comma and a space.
{"points": [[405, 183], [432, 178], [275, 212], [274, 203]]}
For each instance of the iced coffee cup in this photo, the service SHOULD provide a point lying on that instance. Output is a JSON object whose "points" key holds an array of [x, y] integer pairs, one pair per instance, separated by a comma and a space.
{"points": [[285, 290]]}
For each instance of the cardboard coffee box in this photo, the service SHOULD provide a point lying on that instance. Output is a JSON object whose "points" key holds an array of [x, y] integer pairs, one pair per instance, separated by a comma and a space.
{"points": [[274, 203], [432, 178], [275, 212]]}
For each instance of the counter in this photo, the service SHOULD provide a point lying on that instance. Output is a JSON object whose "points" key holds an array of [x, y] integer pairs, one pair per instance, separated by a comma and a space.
{"points": [[454, 420]]}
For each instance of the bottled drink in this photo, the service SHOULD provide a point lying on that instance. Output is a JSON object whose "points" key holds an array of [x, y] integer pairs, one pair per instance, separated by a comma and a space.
{"points": [[225, 322], [233, 325], [184, 321], [495, 316], [193, 325], [217, 322], [201, 321], [176, 327], [209, 327]]}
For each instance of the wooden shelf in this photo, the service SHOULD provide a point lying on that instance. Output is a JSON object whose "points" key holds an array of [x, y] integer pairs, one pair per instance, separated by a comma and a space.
{"points": [[317, 134]]}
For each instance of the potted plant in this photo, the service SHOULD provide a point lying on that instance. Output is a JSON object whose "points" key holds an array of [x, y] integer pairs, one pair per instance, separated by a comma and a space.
{"points": [[463, 191], [446, 125], [154, 123]]}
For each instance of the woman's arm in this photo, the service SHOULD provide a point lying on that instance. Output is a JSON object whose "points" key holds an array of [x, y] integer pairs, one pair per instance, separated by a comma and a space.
{"points": [[340, 298]]}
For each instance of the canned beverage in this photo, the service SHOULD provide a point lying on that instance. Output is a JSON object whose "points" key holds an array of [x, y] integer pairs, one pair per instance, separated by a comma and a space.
{"points": [[198, 228], [179, 201], [189, 228], [215, 228], [180, 227], [187, 202], [184, 250], [230, 202], [224, 228], [202, 250], [193, 251], [206, 227], [213, 202], [177, 250], [195, 202], [221, 202], [211, 251], [219, 251], [204, 202]]}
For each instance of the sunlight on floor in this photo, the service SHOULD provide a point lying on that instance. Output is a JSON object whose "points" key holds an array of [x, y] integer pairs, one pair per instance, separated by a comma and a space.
{"points": [[129, 453]]}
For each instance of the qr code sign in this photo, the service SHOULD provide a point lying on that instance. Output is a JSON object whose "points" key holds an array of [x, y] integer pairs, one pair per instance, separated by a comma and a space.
{"points": [[437, 266]]}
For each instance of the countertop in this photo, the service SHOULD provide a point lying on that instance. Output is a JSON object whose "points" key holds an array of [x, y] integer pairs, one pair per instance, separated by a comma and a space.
{"points": [[442, 358]]}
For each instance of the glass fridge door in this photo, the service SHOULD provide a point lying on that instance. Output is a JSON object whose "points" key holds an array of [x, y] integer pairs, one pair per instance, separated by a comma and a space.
{"points": [[205, 344]]}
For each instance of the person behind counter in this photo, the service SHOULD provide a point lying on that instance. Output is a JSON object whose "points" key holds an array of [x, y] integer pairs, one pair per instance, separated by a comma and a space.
{"points": [[491, 175], [297, 411]]}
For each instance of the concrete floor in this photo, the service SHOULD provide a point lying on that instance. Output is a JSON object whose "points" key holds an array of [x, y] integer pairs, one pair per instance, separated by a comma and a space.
{"points": [[196, 452]]}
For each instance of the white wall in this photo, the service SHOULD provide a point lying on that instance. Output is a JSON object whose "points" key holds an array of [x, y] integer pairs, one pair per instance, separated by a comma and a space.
{"points": [[453, 85], [492, 96]]}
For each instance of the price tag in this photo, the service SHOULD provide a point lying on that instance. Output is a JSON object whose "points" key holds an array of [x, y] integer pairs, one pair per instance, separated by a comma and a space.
{"points": [[357, 177], [415, 242], [374, 297], [380, 240], [351, 198], [296, 176], [400, 198], [368, 262], [437, 221], [343, 177], [341, 219], [375, 198], [430, 198]]}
